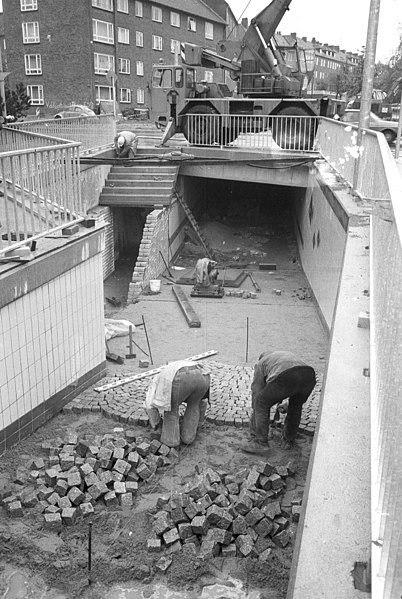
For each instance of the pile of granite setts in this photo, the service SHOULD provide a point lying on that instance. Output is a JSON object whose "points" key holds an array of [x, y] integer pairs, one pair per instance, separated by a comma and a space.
{"points": [[80, 473], [238, 515]]}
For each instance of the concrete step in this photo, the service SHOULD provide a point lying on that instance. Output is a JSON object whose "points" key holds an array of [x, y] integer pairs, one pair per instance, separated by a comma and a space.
{"points": [[107, 199], [145, 168], [143, 178], [137, 191], [139, 184]]}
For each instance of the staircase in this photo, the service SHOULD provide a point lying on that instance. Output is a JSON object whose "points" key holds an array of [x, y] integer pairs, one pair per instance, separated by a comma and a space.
{"points": [[142, 184]]}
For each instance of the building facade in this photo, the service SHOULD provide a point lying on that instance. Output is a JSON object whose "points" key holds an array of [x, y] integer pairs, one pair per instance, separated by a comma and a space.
{"points": [[84, 51]]}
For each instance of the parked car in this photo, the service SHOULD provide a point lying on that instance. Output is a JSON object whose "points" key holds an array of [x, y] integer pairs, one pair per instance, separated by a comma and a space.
{"points": [[388, 128], [74, 110]]}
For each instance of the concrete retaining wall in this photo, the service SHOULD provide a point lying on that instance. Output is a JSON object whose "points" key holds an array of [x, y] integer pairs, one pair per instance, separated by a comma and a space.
{"points": [[321, 232], [51, 334]]}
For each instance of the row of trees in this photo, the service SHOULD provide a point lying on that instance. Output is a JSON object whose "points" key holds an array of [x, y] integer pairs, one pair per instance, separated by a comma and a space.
{"points": [[388, 78], [17, 102]]}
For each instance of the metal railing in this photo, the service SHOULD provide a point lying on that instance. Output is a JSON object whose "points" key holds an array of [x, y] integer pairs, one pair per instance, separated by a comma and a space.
{"points": [[91, 132], [39, 187], [250, 131], [386, 391], [364, 166]]}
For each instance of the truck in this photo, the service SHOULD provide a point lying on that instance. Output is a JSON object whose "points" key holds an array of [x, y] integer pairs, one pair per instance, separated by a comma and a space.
{"points": [[267, 86]]}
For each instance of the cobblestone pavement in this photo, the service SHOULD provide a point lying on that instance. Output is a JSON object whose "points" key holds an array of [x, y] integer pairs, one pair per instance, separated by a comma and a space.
{"points": [[229, 398]]}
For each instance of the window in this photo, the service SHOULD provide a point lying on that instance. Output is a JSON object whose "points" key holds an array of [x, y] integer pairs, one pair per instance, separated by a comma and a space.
{"points": [[157, 14], [105, 4], [179, 77], [208, 76], [174, 19], [124, 66], [140, 96], [35, 92], [191, 24], [30, 33], [103, 63], [174, 46], [209, 31], [125, 94], [33, 64], [103, 31], [138, 8], [122, 6], [140, 68], [139, 39], [104, 93], [162, 78], [29, 5], [156, 42], [123, 35]]}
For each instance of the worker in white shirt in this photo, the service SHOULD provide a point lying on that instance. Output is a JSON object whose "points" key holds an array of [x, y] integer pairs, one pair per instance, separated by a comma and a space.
{"points": [[125, 144], [179, 382]]}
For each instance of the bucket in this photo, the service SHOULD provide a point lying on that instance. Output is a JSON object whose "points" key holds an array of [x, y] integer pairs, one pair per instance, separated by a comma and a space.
{"points": [[155, 285]]}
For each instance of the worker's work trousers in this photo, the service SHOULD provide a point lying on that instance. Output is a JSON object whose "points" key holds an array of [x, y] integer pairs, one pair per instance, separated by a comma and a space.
{"points": [[296, 384], [190, 386]]}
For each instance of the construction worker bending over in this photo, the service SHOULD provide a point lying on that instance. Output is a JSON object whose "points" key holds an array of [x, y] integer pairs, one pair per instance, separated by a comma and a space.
{"points": [[125, 144], [177, 383], [278, 375]]}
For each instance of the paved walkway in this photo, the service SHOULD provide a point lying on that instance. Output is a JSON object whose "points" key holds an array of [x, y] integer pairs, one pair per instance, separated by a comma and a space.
{"points": [[229, 399]]}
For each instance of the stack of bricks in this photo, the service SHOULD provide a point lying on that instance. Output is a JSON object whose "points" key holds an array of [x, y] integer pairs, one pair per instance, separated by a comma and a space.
{"points": [[149, 263], [79, 474], [240, 515]]}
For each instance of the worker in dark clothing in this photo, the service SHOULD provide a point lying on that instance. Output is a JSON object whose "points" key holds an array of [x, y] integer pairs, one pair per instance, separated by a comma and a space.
{"points": [[278, 375], [125, 144], [177, 383]]}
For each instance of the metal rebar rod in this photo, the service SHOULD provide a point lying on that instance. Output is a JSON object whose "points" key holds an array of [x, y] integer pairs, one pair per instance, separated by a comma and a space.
{"points": [[89, 553], [247, 340], [146, 335]]}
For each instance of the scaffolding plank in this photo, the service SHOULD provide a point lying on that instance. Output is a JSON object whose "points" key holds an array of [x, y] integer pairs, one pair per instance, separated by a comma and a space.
{"points": [[143, 375], [192, 319]]}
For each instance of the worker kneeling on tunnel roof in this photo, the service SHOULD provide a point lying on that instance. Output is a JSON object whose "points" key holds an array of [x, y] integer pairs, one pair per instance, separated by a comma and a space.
{"points": [[179, 382], [277, 375]]}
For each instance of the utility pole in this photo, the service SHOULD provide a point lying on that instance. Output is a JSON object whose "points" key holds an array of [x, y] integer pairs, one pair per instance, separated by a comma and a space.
{"points": [[3, 75], [368, 79]]}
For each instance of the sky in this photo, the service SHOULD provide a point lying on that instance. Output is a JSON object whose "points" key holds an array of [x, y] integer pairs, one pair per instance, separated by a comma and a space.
{"points": [[338, 22]]}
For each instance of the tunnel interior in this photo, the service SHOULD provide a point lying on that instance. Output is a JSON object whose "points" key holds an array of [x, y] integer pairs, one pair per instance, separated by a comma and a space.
{"points": [[249, 215], [128, 226]]}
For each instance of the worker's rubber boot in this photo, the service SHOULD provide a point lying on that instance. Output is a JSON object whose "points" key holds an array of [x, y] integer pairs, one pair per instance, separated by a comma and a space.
{"points": [[170, 430], [255, 447]]}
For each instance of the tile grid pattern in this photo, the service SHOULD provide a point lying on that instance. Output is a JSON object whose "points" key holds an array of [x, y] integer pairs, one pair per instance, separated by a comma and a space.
{"points": [[49, 338]]}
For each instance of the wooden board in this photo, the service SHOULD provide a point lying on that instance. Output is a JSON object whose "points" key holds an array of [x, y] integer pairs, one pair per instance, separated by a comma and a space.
{"points": [[192, 319]]}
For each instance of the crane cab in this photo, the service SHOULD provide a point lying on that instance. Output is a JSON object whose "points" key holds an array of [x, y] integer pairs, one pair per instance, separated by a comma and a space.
{"points": [[171, 85]]}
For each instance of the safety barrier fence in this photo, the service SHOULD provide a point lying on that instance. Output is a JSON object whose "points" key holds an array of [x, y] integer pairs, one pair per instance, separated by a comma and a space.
{"points": [[39, 187], [362, 166], [90, 132], [251, 131], [371, 171], [386, 391]]}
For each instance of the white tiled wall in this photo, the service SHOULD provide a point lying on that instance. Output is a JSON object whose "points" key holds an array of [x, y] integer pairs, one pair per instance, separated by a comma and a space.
{"points": [[49, 338]]}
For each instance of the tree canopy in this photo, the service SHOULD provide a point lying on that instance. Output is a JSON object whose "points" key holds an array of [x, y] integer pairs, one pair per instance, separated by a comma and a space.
{"points": [[17, 101]]}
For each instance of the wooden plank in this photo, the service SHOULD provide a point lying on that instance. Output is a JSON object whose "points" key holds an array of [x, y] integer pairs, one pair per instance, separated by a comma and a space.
{"points": [[137, 377], [192, 319]]}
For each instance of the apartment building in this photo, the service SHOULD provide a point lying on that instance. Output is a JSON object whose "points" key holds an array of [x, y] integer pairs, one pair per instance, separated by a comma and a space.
{"points": [[324, 62], [80, 51]]}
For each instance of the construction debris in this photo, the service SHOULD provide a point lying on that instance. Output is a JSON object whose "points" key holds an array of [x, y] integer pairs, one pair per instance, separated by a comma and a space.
{"points": [[80, 473], [243, 514]]}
